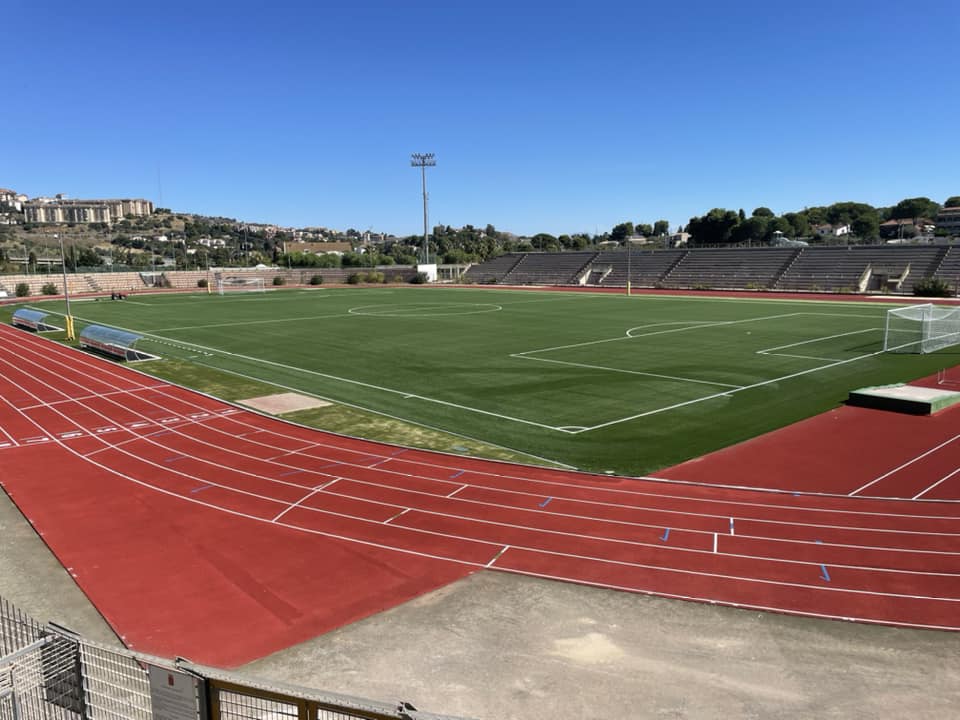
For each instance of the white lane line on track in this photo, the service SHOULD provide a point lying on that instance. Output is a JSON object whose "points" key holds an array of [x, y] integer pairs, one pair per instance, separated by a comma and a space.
{"points": [[306, 497], [908, 463], [96, 396], [934, 485]]}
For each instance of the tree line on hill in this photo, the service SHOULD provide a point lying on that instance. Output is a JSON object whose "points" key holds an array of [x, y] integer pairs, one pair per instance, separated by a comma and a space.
{"points": [[721, 226]]}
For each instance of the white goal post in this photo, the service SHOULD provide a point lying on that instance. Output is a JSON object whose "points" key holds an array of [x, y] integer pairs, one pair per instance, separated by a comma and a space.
{"points": [[239, 283], [921, 329]]}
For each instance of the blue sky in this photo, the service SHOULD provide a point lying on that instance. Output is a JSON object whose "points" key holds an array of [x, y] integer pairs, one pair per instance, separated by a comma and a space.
{"points": [[544, 117]]}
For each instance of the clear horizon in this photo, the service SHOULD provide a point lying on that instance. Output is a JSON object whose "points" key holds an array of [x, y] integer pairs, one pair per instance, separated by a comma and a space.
{"points": [[543, 117]]}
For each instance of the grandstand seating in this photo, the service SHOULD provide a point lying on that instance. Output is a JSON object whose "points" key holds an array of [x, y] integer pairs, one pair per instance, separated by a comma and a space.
{"points": [[493, 270], [854, 268], [647, 267], [549, 268], [729, 268], [842, 268], [948, 268]]}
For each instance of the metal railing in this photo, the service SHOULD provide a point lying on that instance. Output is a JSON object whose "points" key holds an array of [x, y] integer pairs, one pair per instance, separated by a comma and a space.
{"points": [[47, 672]]}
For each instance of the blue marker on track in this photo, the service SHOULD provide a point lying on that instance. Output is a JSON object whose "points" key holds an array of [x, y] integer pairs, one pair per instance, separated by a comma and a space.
{"points": [[457, 474], [666, 535], [546, 502], [825, 575]]}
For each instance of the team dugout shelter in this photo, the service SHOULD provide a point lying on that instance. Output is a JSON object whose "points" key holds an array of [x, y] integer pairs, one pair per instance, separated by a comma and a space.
{"points": [[35, 320], [112, 342]]}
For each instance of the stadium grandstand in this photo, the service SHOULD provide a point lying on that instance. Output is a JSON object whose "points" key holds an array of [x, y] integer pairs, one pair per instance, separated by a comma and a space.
{"points": [[892, 269]]}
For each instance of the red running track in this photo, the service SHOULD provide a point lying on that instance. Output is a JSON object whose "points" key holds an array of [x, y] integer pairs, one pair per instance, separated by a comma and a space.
{"points": [[204, 530]]}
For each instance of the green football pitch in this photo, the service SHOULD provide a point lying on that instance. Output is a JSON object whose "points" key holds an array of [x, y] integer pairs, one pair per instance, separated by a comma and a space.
{"points": [[596, 381]]}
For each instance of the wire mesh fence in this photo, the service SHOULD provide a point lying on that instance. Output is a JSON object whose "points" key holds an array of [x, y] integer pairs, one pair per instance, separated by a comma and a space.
{"points": [[17, 629], [48, 672]]}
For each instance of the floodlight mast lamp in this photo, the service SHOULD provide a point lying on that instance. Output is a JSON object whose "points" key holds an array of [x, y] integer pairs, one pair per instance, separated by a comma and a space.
{"points": [[423, 161]]}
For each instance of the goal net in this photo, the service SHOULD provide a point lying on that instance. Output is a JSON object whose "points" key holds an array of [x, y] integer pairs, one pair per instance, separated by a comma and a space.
{"points": [[921, 329], [239, 283]]}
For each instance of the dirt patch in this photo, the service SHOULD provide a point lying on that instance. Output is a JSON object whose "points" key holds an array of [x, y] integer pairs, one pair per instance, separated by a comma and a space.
{"points": [[284, 403]]}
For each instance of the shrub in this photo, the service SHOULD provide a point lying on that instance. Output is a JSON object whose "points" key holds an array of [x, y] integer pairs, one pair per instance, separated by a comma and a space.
{"points": [[202, 283], [49, 289], [932, 287], [396, 278], [419, 279], [279, 280], [22, 290], [316, 280], [356, 278], [376, 276]]}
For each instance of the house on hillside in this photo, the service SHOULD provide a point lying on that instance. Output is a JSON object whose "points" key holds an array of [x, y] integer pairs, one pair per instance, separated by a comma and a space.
{"points": [[828, 230], [898, 228], [318, 248]]}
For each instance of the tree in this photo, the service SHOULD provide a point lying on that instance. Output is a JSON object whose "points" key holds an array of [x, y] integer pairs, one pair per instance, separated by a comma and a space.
{"points": [[866, 226], [544, 241], [621, 232], [661, 227], [919, 207], [714, 228], [763, 212], [750, 230], [645, 229], [953, 201], [799, 223]]}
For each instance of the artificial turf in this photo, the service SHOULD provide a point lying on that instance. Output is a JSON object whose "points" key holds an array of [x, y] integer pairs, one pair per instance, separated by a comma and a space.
{"points": [[597, 381]]}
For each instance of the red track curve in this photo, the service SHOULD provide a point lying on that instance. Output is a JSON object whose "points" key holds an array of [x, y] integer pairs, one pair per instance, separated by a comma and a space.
{"points": [[208, 531]]}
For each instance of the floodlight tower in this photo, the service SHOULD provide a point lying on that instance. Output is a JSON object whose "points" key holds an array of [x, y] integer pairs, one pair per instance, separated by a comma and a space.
{"points": [[423, 161]]}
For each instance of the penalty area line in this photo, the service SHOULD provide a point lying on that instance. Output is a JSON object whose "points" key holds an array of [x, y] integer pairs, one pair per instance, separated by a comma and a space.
{"points": [[735, 390]]}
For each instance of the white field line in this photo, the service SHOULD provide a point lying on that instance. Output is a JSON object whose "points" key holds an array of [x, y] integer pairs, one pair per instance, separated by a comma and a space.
{"points": [[938, 482], [538, 495], [350, 381], [686, 327], [769, 351], [901, 467], [240, 323], [803, 357], [731, 392], [627, 372], [73, 358]]}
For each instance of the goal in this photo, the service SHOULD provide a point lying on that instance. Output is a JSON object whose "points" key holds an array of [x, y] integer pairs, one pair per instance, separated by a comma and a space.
{"points": [[239, 283], [921, 329]]}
